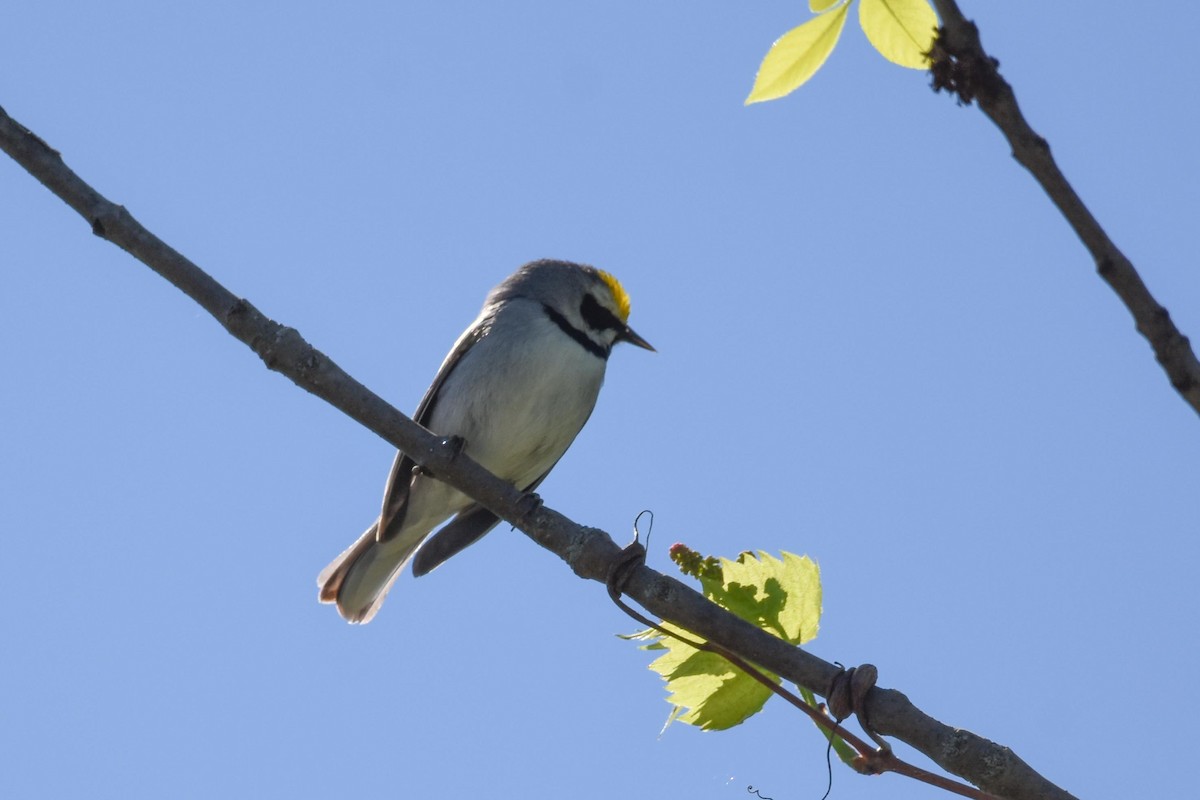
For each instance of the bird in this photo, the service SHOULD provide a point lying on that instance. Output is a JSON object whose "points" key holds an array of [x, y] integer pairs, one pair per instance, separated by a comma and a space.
{"points": [[513, 393]]}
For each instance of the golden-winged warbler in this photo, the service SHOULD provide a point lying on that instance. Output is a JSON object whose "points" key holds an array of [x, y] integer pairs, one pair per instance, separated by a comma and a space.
{"points": [[516, 389]]}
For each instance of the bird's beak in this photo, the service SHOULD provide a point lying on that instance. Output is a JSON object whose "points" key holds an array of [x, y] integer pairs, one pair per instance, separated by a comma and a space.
{"points": [[628, 335]]}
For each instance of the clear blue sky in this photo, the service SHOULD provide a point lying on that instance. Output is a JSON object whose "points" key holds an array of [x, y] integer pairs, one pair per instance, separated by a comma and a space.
{"points": [[878, 345]]}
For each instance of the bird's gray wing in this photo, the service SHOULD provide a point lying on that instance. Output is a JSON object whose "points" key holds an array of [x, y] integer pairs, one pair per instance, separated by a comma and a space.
{"points": [[395, 494], [467, 528]]}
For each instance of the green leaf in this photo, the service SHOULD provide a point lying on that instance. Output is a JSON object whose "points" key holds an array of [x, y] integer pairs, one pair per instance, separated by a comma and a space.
{"points": [[820, 6], [797, 55], [902, 30], [780, 595], [705, 689]]}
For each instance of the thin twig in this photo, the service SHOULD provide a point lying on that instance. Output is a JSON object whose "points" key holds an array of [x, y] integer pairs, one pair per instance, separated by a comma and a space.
{"points": [[962, 66]]}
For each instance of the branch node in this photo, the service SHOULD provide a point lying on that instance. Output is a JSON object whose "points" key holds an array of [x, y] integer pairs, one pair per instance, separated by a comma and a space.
{"points": [[847, 695], [240, 308], [621, 567], [106, 218], [959, 66]]}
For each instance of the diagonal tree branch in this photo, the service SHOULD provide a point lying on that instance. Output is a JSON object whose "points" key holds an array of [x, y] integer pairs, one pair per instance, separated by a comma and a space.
{"points": [[961, 65], [590, 552]]}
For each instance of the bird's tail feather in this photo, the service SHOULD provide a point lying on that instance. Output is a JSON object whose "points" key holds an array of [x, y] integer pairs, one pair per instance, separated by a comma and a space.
{"points": [[358, 580]]}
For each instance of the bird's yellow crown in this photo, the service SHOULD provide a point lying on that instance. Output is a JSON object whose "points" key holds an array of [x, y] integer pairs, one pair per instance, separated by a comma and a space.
{"points": [[620, 296]]}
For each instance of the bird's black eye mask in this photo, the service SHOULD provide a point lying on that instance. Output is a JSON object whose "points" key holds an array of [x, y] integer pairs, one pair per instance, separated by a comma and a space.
{"points": [[585, 341], [597, 316]]}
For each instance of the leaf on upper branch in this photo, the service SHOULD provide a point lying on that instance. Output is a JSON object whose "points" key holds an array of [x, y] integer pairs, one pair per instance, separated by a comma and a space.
{"points": [[798, 54], [901, 30], [782, 596]]}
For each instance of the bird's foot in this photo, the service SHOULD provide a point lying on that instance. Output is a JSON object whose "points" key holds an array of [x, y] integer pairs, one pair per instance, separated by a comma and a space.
{"points": [[529, 503], [455, 444]]}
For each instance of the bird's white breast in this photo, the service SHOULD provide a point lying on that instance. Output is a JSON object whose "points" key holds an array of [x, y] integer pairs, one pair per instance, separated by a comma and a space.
{"points": [[519, 396]]}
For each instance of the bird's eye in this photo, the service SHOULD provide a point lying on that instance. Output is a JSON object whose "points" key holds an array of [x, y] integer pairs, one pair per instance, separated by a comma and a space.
{"points": [[597, 316]]}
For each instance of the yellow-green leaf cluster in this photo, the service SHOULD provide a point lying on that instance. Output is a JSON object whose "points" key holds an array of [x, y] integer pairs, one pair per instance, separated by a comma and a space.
{"points": [[780, 595], [901, 30]]}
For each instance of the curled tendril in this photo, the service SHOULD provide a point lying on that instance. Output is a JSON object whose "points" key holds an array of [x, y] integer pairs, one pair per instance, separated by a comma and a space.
{"points": [[649, 528]]}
